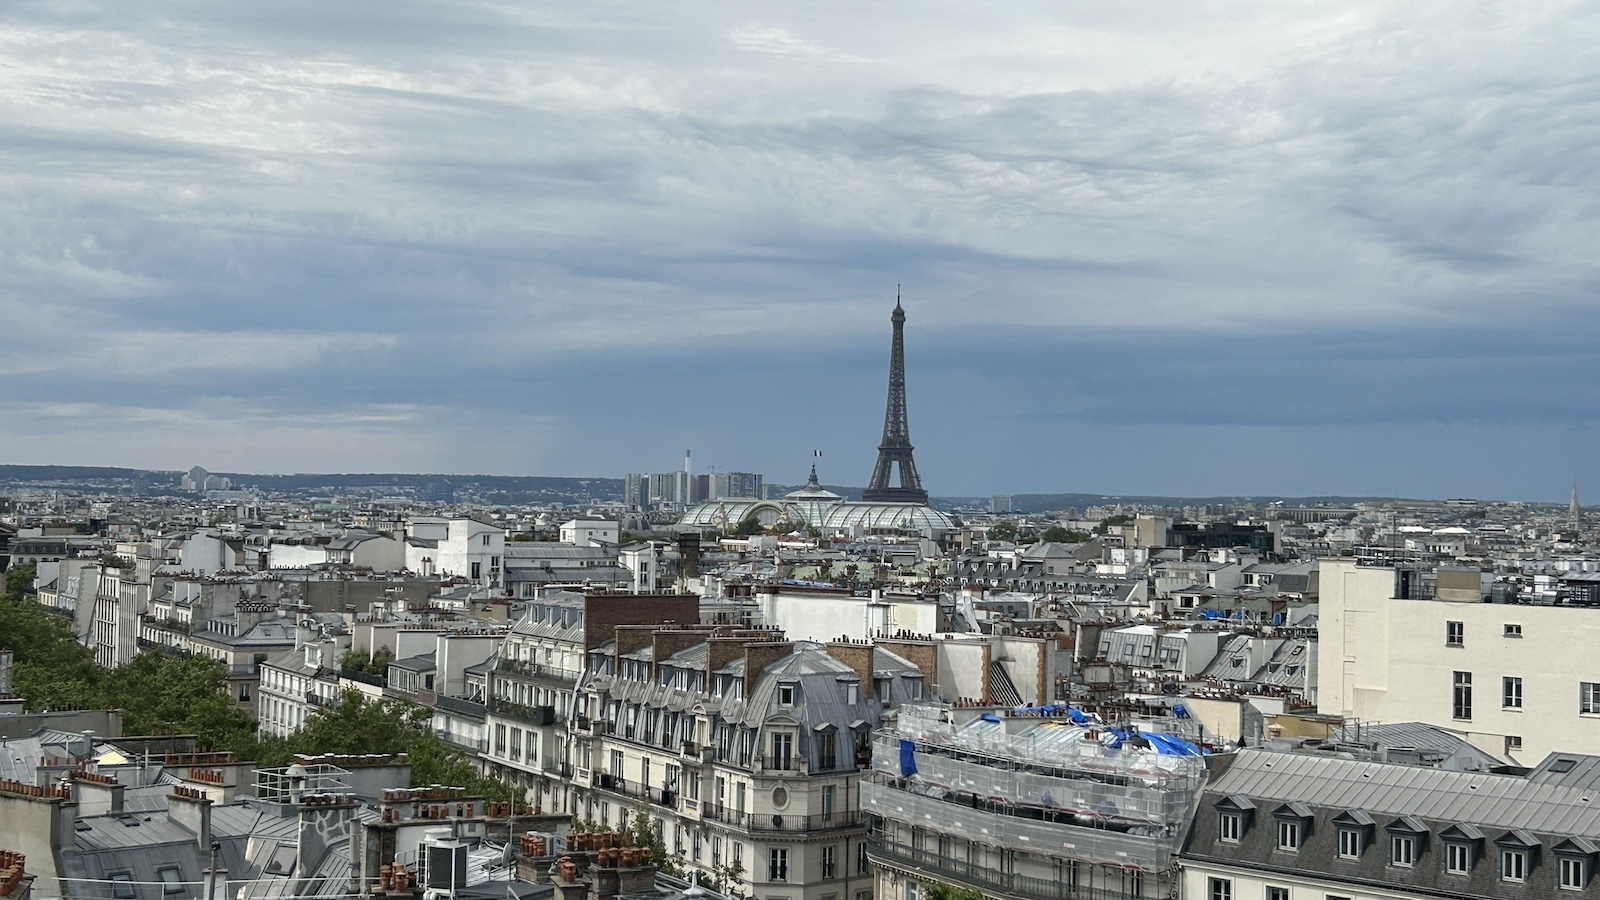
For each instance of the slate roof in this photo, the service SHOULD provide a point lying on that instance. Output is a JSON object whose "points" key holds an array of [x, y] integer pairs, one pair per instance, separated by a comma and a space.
{"points": [[1501, 802]]}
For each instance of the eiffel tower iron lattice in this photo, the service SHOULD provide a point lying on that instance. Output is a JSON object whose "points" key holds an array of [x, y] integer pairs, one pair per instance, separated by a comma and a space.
{"points": [[895, 449]]}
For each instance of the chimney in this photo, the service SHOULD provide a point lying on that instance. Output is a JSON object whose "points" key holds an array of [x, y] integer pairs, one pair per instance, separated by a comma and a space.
{"points": [[191, 808], [568, 886], [859, 658], [667, 642], [719, 652], [97, 795], [631, 638], [757, 656]]}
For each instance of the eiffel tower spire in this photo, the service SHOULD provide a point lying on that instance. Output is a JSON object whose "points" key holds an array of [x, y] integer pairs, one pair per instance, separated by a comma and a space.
{"points": [[894, 451]]}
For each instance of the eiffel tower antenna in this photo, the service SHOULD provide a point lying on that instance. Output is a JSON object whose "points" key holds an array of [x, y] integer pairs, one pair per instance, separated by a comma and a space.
{"points": [[894, 451]]}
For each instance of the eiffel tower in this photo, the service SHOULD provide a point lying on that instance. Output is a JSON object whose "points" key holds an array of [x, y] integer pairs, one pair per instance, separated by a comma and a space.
{"points": [[895, 449]]}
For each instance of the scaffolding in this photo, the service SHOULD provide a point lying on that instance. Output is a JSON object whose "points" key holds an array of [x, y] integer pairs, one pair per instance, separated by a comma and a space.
{"points": [[1047, 787]]}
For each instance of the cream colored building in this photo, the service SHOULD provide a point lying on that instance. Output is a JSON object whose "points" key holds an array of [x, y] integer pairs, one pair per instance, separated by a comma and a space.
{"points": [[1514, 679]]}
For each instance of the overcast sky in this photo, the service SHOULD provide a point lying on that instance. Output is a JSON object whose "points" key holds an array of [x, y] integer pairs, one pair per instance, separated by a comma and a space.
{"points": [[1182, 248]]}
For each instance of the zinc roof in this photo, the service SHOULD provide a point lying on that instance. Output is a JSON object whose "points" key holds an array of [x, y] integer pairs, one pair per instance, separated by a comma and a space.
{"points": [[1492, 801]]}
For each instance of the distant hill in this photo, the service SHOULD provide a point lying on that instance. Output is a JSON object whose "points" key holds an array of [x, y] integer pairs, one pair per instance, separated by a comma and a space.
{"points": [[487, 488], [1038, 503]]}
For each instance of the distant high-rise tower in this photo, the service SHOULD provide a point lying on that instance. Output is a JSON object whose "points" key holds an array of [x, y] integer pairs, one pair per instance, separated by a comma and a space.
{"points": [[1573, 510], [895, 449]]}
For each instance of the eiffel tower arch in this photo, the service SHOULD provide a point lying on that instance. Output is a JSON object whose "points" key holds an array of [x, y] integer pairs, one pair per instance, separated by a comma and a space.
{"points": [[894, 451]]}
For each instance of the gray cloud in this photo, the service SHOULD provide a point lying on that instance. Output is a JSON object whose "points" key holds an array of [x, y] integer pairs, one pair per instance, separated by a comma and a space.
{"points": [[308, 211]]}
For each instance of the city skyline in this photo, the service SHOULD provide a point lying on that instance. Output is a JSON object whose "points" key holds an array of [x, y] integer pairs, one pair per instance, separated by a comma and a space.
{"points": [[1161, 251]]}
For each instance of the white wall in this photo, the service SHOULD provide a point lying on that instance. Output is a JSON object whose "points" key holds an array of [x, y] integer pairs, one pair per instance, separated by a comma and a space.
{"points": [[1386, 660]]}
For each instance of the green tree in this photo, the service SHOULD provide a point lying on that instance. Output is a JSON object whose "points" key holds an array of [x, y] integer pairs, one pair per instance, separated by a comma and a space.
{"points": [[1060, 535], [1110, 522], [941, 890], [646, 831], [162, 694], [1003, 530], [52, 670], [749, 526], [359, 725]]}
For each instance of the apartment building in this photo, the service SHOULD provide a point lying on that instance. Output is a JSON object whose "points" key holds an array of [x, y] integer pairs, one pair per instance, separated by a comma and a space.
{"points": [[746, 748], [1398, 645], [1026, 807], [533, 678], [1277, 826]]}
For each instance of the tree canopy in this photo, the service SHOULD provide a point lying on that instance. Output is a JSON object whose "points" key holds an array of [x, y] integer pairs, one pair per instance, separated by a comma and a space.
{"points": [[1060, 535], [163, 694]]}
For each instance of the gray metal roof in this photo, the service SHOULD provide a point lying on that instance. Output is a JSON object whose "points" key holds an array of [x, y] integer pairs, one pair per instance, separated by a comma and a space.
{"points": [[1499, 802]]}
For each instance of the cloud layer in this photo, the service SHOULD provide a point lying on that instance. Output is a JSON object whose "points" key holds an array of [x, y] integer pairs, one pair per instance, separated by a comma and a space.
{"points": [[531, 239]]}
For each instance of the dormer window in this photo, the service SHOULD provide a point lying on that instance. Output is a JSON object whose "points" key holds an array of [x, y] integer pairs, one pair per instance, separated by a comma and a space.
{"points": [[1407, 835], [785, 695], [1355, 833], [1462, 848], [1518, 854], [1234, 813], [1294, 825], [913, 687], [1574, 863]]}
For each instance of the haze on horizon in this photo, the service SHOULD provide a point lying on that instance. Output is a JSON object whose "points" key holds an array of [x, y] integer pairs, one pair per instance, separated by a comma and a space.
{"points": [[1156, 248]]}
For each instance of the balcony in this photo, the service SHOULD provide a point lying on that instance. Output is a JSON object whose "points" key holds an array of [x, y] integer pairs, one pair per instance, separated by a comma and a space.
{"points": [[459, 706], [793, 763], [616, 784], [536, 715], [782, 823], [986, 878], [316, 699], [528, 669]]}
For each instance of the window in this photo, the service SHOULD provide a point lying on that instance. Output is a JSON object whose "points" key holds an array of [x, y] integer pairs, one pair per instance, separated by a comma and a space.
{"points": [[1219, 889], [1349, 843], [1461, 696], [827, 750], [863, 864], [1511, 692], [785, 695], [1589, 697], [827, 862], [1571, 873], [486, 540], [1288, 835], [1455, 634], [1402, 851], [1458, 859], [122, 887], [1513, 630], [1514, 865], [1228, 827], [695, 843], [477, 571], [1277, 893], [782, 750], [169, 881], [1513, 743], [778, 864], [852, 693]]}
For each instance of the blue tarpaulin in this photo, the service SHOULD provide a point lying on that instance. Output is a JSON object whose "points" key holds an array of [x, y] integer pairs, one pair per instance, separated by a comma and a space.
{"points": [[908, 758]]}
